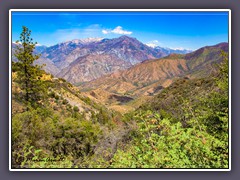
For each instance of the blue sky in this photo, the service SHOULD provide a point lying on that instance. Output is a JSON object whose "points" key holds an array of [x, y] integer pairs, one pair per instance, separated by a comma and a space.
{"points": [[189, 30]]}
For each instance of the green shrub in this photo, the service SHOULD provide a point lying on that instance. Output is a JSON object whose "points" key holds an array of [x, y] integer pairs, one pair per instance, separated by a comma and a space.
{"points": [[65, 102]]}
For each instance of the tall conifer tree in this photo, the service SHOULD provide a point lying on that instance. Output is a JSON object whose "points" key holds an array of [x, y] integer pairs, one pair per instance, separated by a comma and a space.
{"points": [[29, 75]]}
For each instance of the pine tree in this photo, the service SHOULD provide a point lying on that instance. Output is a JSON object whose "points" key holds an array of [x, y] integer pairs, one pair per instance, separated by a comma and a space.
{"points": [[29, 75]]}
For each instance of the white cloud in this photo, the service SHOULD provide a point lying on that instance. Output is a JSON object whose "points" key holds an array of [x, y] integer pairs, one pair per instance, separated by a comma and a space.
{"points": [[117, 30], [105, 32]]}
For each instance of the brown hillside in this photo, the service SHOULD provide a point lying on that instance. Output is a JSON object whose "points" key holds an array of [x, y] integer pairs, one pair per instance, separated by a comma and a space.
{"points": [[139, 76]]}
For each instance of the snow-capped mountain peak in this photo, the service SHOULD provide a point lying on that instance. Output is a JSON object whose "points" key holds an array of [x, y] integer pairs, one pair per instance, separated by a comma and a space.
{"points": [[90, 40], [84, 41], [151, 45]]}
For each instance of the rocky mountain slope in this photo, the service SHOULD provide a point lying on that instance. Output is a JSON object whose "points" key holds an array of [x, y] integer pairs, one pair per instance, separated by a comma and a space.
{"points": [[140, 75], [91, 67], [67, 59], [152, 76]]}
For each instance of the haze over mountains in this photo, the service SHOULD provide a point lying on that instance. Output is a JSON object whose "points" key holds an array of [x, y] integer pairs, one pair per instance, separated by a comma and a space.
{"points": [[84, 60]]}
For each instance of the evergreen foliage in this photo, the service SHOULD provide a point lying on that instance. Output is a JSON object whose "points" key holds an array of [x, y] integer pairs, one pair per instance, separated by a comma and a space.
{"points": [[29, 75]]}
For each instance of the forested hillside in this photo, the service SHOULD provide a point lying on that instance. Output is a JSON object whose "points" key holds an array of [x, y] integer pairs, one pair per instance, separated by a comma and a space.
{"points": [[182, 125], [186, 126]]}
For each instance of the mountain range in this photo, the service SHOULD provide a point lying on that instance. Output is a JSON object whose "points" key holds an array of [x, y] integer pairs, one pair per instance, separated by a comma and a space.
{"points": [[122, 72], [200, 62], [83, 60], [148, 78]]}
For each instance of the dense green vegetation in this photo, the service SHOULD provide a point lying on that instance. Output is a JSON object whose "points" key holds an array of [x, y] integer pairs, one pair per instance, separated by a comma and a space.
{"points": [[184, 126], [190, 132], [56, 134]]}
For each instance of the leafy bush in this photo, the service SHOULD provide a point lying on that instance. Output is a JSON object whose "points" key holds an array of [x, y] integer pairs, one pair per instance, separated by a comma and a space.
{"points": [[197, 138], [162, 144], [69, 138], [75, 109]]}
